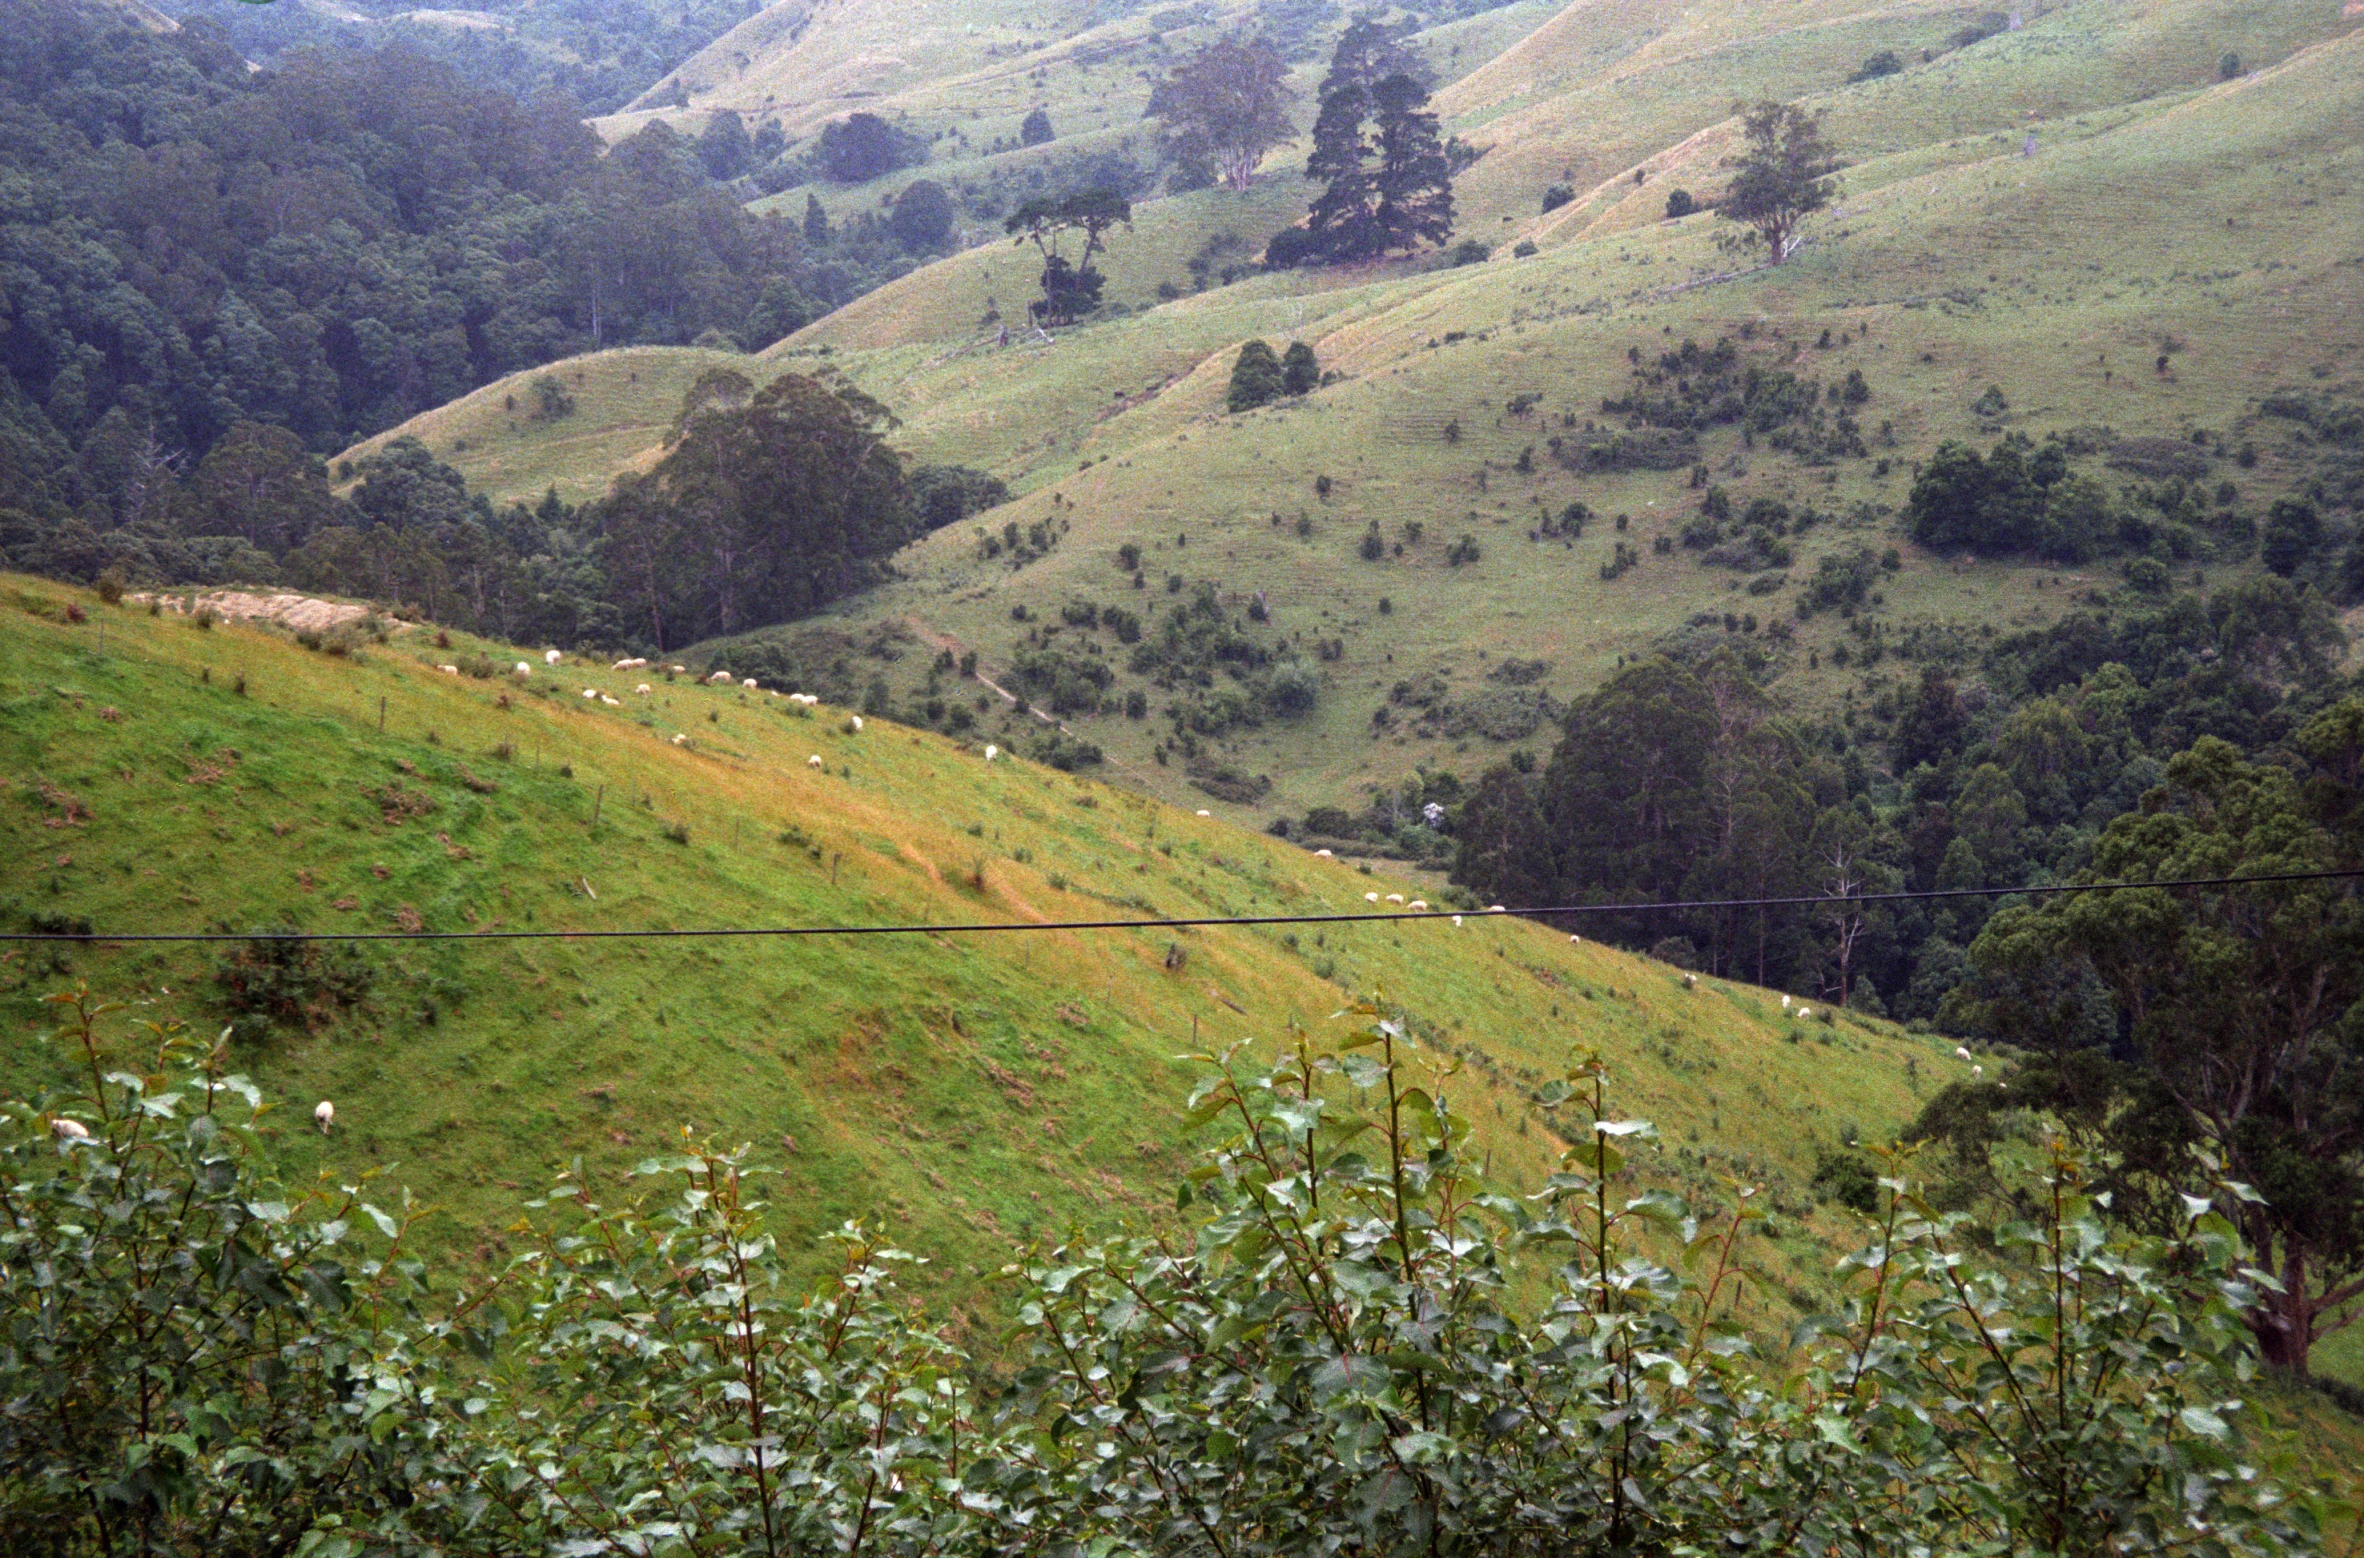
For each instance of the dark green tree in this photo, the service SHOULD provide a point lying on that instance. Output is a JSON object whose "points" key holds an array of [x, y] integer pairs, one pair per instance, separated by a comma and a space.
{"points": [[2243, 1009], [1413, 182], [1070, 289], [859, 148], [816, 220], [1343, 220], [723, 147], [1036, 129], [761, 511], [1781, 177], [923, 216], [1301, 371], [2290, 535], [1256, 378]]}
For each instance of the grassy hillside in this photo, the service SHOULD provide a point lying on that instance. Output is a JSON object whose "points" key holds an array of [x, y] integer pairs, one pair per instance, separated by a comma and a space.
{"points": [[969, 1088], [2162, 213]]}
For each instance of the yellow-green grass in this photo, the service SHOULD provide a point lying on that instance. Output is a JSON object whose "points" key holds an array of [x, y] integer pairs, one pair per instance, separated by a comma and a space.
{"points": [[624, 401], [969, 1088]]}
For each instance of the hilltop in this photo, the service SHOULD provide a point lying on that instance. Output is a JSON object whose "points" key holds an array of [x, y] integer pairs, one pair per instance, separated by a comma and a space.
{"points": [[971, 1090]]}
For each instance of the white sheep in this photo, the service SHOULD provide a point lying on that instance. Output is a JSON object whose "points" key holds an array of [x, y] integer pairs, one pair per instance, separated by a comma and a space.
{"points": [[523, 670], [1495, 908], [1202, 811], [1395, 897], [551, 657], [628, 665], [1690, 981], [991, 751], [1456, 922], [1962, 1051], [449, 670], [66, 1130], [855, 720], [324, 1115], [719, 678], [678, 670], [1785, 1003], [613, 703], [1370, 897], [1977, 1071], [749, 683], [815, 761], [678, 740], [1323, 854], [590, 692], [1805, 1014], [1418, 903], [641, 691], [1573, 940]]}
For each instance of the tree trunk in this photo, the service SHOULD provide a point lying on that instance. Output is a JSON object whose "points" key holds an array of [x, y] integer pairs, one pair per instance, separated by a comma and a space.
{"points": [[2282, 1322]]}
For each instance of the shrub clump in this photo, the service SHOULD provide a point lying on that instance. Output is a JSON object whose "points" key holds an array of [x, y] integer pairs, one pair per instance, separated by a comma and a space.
{"points": [[275, 979]]}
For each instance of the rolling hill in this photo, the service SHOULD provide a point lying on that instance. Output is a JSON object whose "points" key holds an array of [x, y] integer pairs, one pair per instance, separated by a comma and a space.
{"points": [[971, 1089], [2078, 214]]}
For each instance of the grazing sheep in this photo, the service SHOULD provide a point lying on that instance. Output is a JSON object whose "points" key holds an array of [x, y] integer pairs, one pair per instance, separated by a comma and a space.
{"points": [[1963, 1052], [1456, 922], [678, 740], [854, 720], [719, 678], [1395, 897], [642, 690], [551, 657], [1690, 981], [805, 698], [1204, 812], [1495, 908], [628, 665], [991, 752], [1370, 897], [66, 1130], [590, 692], [1417, 903], [678, 670], [1785, 1003], [1978, 1071], [1573, 940], [1805, 1013], [749, 683], [613, 703], [815, 761], [449, 670], [324, 1115], [524, 670], [1323, 854]]}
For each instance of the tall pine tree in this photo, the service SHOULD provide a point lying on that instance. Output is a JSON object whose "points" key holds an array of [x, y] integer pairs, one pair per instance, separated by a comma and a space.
{"points": [[1414, 182]]}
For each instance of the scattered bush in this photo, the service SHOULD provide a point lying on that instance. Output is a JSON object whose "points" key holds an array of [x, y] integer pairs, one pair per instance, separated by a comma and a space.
{"points": [[274, 978]]}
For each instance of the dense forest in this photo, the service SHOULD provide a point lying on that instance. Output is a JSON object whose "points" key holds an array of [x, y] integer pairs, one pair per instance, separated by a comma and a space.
{"points": [[326, 248], [600, 53]]}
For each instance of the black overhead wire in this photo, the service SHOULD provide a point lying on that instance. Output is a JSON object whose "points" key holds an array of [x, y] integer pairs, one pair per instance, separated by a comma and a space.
{"points": [[1381, 916]]}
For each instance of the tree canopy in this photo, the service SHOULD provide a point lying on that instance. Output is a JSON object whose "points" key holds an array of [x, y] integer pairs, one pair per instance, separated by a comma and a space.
{"points": [[1227, 105], [1387, 183], [762, 510], [1782, 175]]}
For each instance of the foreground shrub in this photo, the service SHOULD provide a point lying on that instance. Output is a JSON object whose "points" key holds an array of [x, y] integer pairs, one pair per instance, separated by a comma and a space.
{"points": [[1353, 1342]]}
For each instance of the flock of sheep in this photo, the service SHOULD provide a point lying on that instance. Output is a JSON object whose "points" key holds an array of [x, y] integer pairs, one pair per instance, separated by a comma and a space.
{"points": [[68, 1131]]}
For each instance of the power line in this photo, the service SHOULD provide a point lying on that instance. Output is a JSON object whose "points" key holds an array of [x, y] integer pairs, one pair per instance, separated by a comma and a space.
{"points": [[1383, 916]]}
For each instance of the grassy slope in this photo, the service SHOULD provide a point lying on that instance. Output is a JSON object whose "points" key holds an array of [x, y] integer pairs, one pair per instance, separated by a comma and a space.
{"points": [[969, 1088]]}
